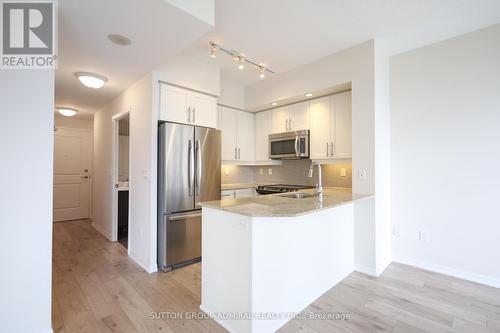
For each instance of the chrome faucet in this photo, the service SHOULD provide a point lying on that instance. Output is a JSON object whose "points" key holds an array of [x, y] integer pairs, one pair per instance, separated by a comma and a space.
{"points": [[319, 187]]}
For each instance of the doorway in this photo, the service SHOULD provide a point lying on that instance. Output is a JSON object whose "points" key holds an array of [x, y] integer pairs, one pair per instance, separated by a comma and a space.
{"points": [[121, 177], [72, 174]]}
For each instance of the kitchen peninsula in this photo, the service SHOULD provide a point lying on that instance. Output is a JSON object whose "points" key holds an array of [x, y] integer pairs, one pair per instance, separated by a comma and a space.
{"points": [[266, 258]]}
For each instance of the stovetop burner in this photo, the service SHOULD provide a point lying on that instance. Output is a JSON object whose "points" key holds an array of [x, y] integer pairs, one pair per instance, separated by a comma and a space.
{"points": [[280, 188]]}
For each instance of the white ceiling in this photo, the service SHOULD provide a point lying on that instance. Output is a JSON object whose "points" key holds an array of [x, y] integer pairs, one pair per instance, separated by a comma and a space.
{"points": [[282, 34], [153, 27], [285, 34]]}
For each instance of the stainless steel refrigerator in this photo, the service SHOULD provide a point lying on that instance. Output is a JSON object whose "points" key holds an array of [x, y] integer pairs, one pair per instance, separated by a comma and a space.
{"points": [[189, 162]]}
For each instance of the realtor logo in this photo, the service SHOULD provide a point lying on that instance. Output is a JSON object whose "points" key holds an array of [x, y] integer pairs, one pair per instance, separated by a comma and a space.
{"points": [[28, 34]]}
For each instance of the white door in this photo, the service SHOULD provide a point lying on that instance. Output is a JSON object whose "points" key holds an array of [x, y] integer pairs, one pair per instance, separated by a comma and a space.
{"points": [[228, 134], [204, 110], [279, 120], [320, 127], [298, 116], [72, 174], [245, 136], [262, 130], [341, 125], [174, 104]]}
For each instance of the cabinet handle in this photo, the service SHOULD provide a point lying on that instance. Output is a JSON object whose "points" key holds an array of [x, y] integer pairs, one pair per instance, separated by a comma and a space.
{"points": [[327, 149], [194, 115], [189, 114], [333, 150], [286, 126], [239, 153], [235, 153], [289, 123]]}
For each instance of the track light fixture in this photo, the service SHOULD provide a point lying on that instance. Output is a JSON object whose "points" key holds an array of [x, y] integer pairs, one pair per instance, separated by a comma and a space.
{"points": [[240, 59]]}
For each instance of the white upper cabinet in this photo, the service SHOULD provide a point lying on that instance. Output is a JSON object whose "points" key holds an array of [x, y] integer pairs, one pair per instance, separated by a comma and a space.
{"points": [[341, 126], [298, 116], [262, 131], [245, 134], [238, 135], [320, 128], [204, 110], [229, 150], [187, 107], [331, 127], [292, 117], [279, 120]]}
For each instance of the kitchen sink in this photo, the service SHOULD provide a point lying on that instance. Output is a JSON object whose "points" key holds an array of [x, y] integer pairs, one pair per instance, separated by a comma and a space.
{"points": [[298, 195]]}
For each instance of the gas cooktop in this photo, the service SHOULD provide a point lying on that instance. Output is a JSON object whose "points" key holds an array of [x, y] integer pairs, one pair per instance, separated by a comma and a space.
{"points": [[280, 188]]}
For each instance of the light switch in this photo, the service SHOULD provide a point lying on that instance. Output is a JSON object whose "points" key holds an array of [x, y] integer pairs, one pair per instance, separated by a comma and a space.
{"points": [[342, 172]]}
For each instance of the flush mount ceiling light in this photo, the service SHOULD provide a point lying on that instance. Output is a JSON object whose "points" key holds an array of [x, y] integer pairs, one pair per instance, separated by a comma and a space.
{"points": [[91, 80], [119, 39], [308, 95], [240, 59], [67, 112]]}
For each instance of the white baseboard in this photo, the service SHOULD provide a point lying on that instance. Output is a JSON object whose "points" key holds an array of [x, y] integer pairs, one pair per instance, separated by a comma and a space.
{"points": [[102, 231], [217, 320], [464, 275], [366, 270]]}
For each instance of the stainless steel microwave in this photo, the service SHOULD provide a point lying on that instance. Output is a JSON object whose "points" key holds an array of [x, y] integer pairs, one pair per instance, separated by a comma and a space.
{"points": [[289, 145]]}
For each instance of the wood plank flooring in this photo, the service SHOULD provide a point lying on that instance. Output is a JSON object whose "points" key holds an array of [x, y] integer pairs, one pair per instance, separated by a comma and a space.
{"points": [[96, 288]]}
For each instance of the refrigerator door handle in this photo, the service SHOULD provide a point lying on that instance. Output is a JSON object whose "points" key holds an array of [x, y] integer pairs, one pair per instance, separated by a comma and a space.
{"points": [[198, 167], [183, 217], [190, 167]]}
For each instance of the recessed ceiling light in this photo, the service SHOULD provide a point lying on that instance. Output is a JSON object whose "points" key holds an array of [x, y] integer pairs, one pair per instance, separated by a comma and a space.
{"points": [[119, 39], [91, 80], [309, 95], [67, 112], [274, 103]]}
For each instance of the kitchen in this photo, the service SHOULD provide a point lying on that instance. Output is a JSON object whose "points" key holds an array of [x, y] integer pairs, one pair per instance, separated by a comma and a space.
{"points": [[263, 178]]}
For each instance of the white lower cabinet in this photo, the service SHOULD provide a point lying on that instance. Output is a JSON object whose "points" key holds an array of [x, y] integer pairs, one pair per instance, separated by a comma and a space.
{"points": [[239, 193], [187, 107], [238, 135]]}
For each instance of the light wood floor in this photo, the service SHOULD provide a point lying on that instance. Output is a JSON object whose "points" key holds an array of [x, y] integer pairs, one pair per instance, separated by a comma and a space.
{"points": [[96, 288]]}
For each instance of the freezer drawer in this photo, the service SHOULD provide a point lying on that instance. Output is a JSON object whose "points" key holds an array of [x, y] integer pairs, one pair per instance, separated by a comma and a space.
{"points": [[182, 233]]}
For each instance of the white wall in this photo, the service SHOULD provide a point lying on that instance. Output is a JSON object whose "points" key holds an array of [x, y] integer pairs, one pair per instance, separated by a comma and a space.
{"points": [[232, 94], [445, 115], [60, 121], [142, 224], [26, 140]]}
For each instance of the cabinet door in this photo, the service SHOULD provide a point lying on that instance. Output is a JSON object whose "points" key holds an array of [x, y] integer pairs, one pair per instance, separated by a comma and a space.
{"points": [[174, 104], [320, 127], [204, 110], [298, 115], [244, 193], [279, 118], [228, 134], [341, 125], [245, 136], [262, 130]]}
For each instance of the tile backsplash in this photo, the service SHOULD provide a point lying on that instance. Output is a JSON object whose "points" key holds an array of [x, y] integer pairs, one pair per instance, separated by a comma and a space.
{"points": [[290, 172]]}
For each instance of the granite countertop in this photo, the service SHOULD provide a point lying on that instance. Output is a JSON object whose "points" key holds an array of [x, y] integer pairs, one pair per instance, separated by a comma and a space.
{"points": [[237, 186], [275, 205]]}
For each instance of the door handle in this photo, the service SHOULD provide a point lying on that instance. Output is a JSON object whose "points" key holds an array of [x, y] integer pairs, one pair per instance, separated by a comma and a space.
{"points": [[189, 114], [183, 217], [190, 173], [198, 167]]}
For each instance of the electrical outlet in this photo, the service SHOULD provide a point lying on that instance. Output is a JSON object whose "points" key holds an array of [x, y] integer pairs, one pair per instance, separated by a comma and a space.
{"points": [[423, 236], [362, 175], [140, 231], [227, 172], [396, 232], [342, 172], [269, 171], [261, 171]]}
